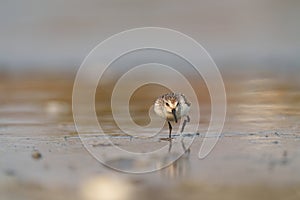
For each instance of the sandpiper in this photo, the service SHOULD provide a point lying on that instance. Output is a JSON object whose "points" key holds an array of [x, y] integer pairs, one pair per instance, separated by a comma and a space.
{"points": [[171, 107]]}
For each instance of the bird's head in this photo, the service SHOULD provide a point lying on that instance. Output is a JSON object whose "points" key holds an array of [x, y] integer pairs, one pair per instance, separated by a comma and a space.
{"points": [[171, 106]]}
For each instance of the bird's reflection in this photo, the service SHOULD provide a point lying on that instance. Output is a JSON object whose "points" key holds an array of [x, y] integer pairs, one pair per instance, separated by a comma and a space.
{"points": [[173, 161], [185, 150], [180, 167]]}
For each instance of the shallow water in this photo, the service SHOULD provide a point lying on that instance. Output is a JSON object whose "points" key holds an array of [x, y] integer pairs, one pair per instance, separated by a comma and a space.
{"points": [[259, 144]]}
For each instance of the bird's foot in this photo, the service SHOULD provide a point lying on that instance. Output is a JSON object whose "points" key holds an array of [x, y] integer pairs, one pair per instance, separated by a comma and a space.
{"points": [[166, 139]]}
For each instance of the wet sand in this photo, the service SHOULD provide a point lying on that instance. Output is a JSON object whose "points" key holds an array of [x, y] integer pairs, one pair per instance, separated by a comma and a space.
{"points": [[42, 157]]}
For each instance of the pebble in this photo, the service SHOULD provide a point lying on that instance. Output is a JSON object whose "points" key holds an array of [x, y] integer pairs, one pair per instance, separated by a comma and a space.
{"points": [[36, 155]]}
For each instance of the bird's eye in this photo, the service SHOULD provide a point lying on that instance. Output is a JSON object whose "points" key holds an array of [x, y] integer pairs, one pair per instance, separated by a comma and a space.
{"points": [[167, 104]]}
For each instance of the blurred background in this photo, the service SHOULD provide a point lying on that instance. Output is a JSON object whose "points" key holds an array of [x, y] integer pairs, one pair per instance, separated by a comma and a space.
{"points": [[52, 34], [255, 44]]}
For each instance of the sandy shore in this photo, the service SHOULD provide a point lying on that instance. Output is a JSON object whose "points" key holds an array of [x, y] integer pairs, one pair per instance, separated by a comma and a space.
{"points": [[42, 157]]}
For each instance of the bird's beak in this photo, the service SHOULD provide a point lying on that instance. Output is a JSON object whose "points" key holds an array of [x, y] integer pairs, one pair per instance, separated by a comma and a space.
{"points": [[174, 114]]}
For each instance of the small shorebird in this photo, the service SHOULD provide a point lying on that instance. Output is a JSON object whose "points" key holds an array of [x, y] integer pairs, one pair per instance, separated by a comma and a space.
{"points": [[171, 107]]}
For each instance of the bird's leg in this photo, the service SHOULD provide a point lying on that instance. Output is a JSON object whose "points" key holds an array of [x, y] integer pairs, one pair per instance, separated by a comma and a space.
{"points": [[170, 129], [184, 122], [182, 129]]}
